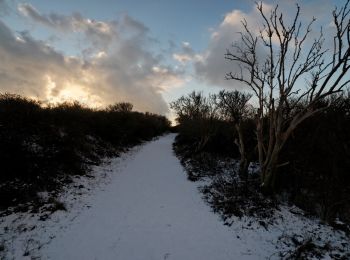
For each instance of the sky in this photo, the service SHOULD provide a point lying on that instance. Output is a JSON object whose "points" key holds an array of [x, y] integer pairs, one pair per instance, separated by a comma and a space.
{"points": [[147, 52]]}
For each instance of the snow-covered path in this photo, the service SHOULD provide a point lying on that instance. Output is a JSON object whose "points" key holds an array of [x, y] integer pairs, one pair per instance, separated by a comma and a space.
{"points": [[141, 206], [148, 211]]}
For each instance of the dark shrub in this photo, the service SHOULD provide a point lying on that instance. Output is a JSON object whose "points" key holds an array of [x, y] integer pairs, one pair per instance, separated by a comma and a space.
{"points": [[40, 146]]}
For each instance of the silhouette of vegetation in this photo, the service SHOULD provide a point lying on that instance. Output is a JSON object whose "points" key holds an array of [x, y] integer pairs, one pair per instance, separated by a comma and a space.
{"points": [[314, 173], [299, 133], [198, 120], [233, 107], [41, 146], [317, 173], [272, 65], [220, 123]]}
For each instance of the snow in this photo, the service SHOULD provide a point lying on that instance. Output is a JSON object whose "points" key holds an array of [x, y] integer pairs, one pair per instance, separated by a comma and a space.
{"points": [[141, 206], [149, 211]]}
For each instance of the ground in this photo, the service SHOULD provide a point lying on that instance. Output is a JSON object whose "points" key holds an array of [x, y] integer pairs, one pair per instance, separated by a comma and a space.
{"points": [[141, 206]]}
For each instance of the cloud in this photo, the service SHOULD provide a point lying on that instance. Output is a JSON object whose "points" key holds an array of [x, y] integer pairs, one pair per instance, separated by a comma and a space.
{"points": [[121, 68], [98, 33], [211, 66], [186, 54], [182, 58], [4, 7], [26, 63]]}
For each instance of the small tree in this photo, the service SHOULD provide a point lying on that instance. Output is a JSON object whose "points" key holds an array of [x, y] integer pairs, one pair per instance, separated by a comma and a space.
{"points": [[198, 111], [123, 107], [233, 107], [275, 78]]}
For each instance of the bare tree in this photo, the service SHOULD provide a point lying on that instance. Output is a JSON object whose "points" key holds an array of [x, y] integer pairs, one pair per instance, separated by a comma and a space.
{"points": [[123, 107], [291, 56], [233, 107], [200, 110]]}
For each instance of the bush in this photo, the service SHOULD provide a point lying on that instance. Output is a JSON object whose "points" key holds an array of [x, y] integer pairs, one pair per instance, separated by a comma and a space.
{"points": [[313, 166], [41, 146], [318, 154]]}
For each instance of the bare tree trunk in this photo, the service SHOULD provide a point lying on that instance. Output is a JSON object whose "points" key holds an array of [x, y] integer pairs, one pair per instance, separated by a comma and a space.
{"points": [[244, 163], [279, 139], [260, 139], [243, 168], [269, 181]]}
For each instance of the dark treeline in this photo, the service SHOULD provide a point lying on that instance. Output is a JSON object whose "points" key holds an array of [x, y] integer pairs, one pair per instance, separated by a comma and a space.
{"points": [[297, 132], [314, 164], [41, 146]]}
